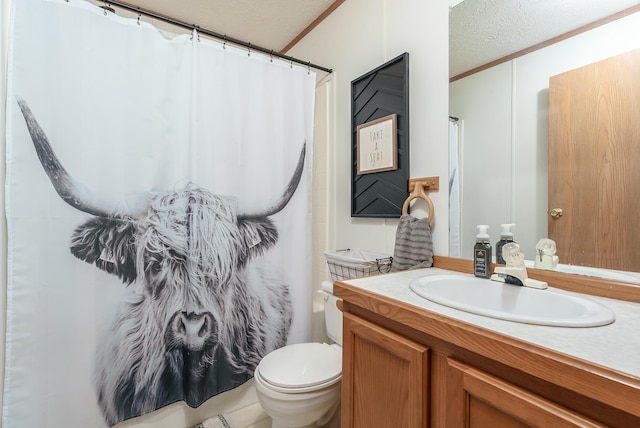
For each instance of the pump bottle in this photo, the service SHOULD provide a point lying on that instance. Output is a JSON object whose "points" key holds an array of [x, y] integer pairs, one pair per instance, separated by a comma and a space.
{"points": [[482, 253], [505, 236]]}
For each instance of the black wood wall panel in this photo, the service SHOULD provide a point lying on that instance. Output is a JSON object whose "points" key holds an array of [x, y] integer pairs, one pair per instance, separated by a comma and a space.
{"points": [[379, 93]]}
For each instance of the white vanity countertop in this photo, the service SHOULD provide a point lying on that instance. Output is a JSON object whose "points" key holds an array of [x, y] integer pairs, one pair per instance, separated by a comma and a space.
{"points": [[616, 346]]}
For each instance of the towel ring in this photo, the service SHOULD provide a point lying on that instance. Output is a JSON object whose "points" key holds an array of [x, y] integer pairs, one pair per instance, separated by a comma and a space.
{"points": [[418, 192]]}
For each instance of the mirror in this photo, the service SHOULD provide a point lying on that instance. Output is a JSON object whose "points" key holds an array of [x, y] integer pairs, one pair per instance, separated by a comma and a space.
{"points": [[503, 110]]}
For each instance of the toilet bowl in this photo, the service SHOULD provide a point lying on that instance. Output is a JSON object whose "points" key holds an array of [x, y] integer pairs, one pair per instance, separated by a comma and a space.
{"points": [[298, 385]]}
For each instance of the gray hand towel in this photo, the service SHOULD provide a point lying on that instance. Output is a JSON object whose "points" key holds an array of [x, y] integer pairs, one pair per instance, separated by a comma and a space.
{"points": [[414, 246]]}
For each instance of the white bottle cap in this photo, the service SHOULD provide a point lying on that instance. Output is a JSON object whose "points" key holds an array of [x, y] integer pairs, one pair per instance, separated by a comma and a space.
{"points": [[482, 231], [506, 230]]}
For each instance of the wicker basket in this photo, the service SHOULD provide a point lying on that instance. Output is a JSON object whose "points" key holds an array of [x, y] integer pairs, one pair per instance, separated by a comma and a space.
{"points": [[356, 263]]}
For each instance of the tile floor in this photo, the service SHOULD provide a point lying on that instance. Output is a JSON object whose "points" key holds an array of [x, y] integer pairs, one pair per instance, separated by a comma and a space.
{"points": [[249, 417], [253, 416]]}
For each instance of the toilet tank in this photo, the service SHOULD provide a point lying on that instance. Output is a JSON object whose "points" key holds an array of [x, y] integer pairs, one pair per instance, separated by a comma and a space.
{"points": [[332, 315]]}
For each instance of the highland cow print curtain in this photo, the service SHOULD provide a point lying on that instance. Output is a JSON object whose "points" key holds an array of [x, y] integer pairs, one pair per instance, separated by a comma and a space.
{"points": [[158, 208]]}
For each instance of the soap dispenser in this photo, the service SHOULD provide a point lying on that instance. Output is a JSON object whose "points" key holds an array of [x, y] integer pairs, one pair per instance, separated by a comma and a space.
{"points": [[482, 253], [506, 236]]}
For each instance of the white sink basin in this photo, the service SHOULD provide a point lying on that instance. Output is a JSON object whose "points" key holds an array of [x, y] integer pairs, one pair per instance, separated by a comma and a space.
{"points": [[511, 302]]}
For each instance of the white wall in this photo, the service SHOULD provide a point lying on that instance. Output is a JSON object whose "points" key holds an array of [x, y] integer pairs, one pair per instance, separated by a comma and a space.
{"points": [[504, 115], [5, 6], [482, 103], [357, 37], [322, 183]]}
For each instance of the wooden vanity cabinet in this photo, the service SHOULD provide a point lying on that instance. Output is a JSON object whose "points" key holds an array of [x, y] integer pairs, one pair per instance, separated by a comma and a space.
{"points": [[384, 377], [403, 371], [478, 399]]}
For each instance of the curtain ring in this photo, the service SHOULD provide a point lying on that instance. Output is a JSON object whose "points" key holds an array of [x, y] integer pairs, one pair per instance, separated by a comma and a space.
{"points": [[249, 50], [107, 8], [271, 56], [224, 45], [309, 67], [195, 28], [139, 14]]}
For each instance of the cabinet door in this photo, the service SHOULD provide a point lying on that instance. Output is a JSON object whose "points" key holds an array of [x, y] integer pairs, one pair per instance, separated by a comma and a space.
{"points": [[478, 400], [384, 378]]}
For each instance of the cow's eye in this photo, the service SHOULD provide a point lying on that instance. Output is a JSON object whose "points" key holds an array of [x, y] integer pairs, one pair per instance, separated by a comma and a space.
{"points": [[155, 281], [154, 267]]}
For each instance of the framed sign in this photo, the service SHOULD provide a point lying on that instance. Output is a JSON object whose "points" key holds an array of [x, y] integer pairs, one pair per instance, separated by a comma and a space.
{"points": [[377, 145]]}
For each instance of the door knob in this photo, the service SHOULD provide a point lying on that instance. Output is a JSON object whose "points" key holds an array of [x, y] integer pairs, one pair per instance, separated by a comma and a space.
{"points": [[556, 212]]}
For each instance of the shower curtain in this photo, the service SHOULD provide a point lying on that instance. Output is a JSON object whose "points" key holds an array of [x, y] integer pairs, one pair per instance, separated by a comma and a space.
{"points": [[158, 211]]}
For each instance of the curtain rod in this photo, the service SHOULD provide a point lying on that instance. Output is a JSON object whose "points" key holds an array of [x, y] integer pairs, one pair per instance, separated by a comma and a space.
{"points": [[218, 36]]}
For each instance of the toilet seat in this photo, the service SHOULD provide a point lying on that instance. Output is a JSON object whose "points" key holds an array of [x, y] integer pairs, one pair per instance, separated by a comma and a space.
{"points": [[302, 367]]}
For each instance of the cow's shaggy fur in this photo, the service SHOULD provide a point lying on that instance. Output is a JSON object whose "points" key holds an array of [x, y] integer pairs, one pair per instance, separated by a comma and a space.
{"points": [[200, 312], [187, 257]]}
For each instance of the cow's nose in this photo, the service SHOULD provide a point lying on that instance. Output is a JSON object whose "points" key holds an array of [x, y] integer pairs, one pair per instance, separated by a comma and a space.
{"points": [[194, 331]]}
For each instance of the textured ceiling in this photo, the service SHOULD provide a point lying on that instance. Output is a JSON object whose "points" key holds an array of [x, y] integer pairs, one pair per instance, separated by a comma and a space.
{"points": [[481, 31], [271, 24]]}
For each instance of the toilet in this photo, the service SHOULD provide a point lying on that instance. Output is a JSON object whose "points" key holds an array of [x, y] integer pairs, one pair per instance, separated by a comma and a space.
{"points": [[298, 385]]}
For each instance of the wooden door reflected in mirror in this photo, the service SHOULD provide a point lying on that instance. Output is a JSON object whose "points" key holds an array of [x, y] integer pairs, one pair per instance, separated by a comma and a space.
{"points": [[594, 159]]}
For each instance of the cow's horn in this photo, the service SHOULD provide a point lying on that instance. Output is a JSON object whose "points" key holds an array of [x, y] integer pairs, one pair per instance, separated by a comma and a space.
{"points": [[72, 192], [289, 191]]}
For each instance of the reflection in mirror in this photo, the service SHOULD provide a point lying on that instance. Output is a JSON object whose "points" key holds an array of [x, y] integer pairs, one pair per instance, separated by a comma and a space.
{"points": [[503, 121]]}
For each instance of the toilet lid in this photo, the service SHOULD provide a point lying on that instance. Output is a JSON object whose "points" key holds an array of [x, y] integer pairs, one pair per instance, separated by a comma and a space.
{"points": [[302, 365]]}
